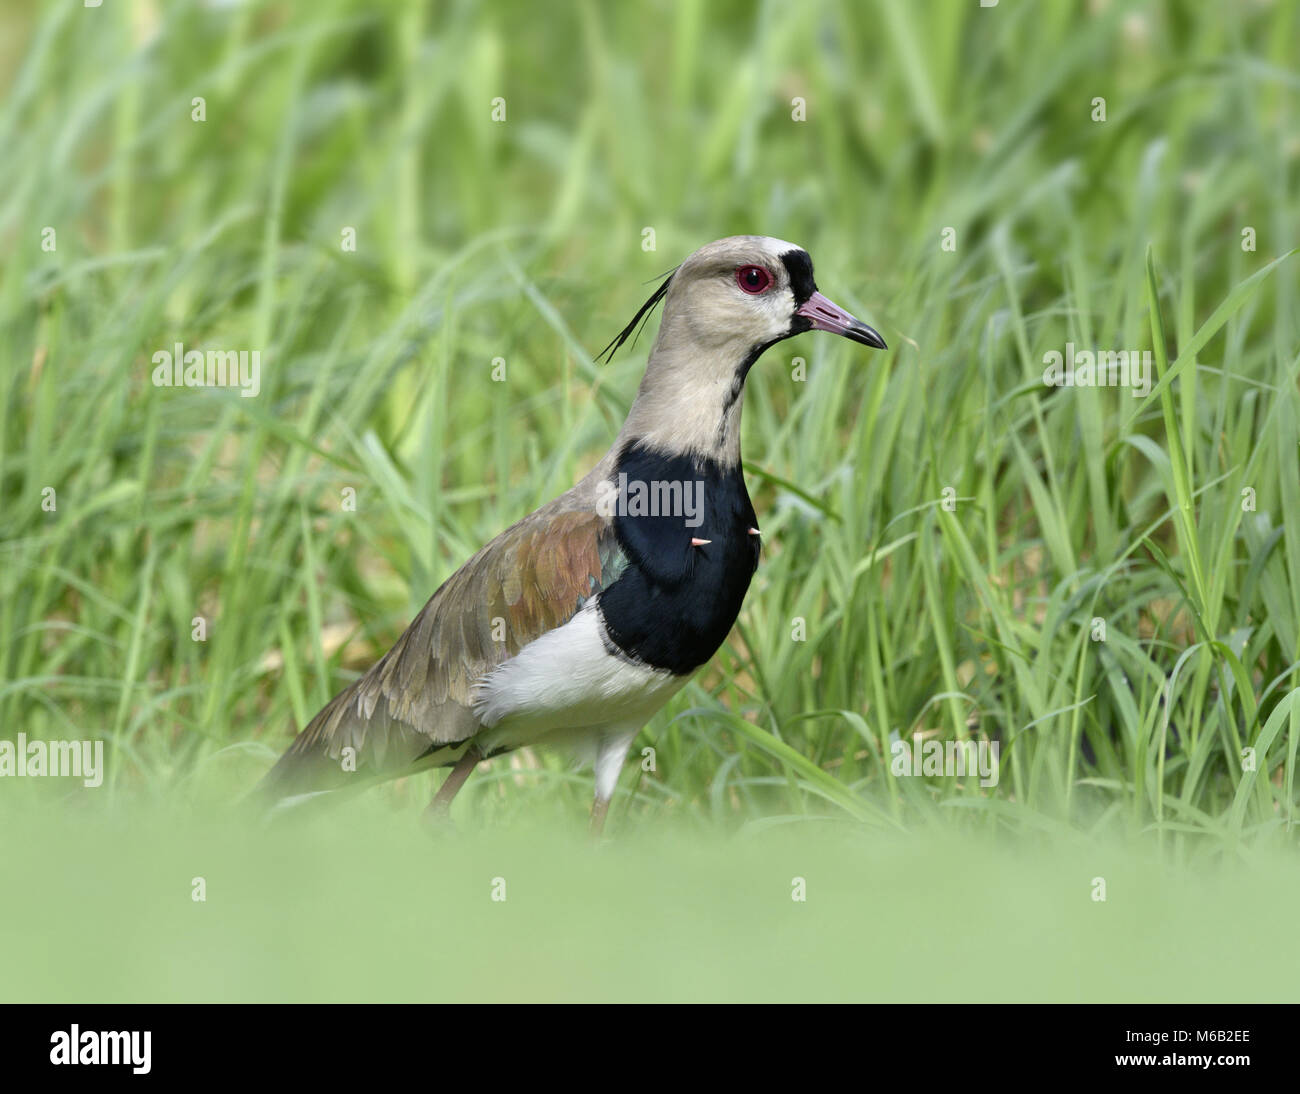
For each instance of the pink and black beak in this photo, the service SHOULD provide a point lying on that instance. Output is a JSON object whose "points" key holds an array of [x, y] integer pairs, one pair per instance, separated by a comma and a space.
{"points": [[815, 312], [823, 314]]}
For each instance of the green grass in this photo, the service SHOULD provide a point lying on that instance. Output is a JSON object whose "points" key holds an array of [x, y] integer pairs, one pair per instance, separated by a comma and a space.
{"points": [[522, 240], [360, 908]]}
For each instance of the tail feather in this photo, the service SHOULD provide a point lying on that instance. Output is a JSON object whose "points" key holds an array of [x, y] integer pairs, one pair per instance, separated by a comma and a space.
{"points": [[340, 751]]}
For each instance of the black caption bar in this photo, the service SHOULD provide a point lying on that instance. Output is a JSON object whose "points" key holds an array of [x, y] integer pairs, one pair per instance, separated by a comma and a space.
{"points": [[334, 1042]]}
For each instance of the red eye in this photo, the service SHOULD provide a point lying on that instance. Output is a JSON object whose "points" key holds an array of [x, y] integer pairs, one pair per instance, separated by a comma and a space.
{"points": [[753, 279]]}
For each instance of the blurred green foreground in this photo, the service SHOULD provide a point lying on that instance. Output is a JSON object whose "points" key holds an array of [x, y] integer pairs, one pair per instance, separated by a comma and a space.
{"points": [[356, 907]]}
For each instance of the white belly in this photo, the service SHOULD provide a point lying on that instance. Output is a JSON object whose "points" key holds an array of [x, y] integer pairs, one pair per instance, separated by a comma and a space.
{"points": [[569, 681]]}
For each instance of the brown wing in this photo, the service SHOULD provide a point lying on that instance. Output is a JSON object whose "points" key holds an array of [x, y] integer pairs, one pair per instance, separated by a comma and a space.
{"points": [[529, 580]]}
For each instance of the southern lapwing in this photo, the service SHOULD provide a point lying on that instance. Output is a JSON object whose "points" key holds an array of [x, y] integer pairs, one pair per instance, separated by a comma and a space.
{"points": [[575, 625]]}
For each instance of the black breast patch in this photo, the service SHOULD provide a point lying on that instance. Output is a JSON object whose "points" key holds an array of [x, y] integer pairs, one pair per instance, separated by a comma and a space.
{"points": [[674, 603]]}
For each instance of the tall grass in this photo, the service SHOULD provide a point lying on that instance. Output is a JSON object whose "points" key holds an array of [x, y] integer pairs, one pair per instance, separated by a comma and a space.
{"points": [[944, 535]]}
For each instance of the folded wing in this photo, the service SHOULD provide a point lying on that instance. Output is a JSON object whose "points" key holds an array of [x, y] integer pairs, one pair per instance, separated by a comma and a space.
{"points": [[420, 695]]}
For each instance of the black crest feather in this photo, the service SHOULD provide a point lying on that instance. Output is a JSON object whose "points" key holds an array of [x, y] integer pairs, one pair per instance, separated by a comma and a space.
{"points": [[642, 317]]}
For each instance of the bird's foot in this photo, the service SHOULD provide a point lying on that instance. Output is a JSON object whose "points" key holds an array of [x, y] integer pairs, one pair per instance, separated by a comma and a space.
{"points": [[599, 808]]}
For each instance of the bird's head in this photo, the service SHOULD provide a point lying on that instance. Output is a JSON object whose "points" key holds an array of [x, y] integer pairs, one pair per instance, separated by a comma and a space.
{"points": [[723, 306]]}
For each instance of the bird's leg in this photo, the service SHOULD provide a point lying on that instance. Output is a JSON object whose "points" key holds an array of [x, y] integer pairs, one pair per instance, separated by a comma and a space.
{"points": [[599, 807], [611, 750], [441, 804]]}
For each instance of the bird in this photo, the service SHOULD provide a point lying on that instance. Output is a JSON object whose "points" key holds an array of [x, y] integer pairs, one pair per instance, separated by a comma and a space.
{"points": [[576, 624]]}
